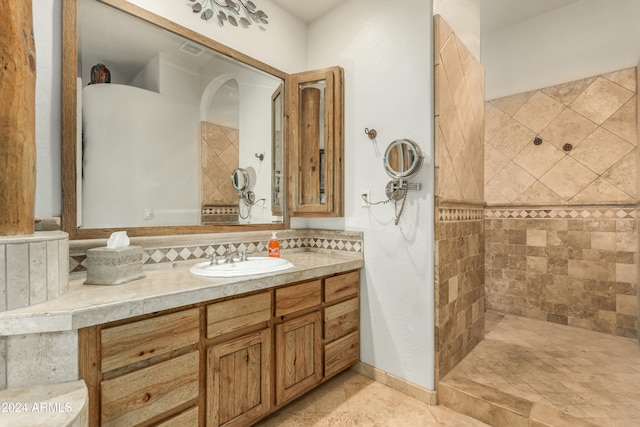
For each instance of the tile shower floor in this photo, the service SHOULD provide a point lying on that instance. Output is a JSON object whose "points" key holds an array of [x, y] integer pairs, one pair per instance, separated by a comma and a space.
{"points": [[590, 375]]}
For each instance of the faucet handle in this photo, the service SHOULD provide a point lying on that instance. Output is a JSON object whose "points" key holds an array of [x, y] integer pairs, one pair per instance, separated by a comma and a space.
{"points": [[214, 259]]}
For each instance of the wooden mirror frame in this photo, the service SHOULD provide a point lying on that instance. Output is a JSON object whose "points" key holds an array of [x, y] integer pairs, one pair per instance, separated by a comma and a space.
{"points": [[69, 123]]}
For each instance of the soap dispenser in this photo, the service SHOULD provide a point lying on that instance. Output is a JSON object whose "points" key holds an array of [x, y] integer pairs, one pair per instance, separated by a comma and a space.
{"points": [[274, 246]]}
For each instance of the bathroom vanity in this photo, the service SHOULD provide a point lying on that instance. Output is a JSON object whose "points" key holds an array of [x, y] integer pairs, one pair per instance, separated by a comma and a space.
{"points": [[178, 349], [229, 361]]}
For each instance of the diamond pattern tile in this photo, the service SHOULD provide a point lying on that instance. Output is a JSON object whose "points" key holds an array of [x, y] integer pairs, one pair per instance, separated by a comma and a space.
{"points": [[459, 118], [596, 116]]}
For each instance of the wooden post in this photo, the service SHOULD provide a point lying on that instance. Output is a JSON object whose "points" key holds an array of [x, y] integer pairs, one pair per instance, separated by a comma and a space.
{"points": [[17, 118]]}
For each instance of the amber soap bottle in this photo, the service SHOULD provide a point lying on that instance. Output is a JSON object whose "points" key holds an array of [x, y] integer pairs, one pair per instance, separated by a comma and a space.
{"points": [[274, 246]]}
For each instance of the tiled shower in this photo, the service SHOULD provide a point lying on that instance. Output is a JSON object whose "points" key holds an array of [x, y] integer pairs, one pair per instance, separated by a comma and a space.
{"points": [[560, 185], [551, 211]]}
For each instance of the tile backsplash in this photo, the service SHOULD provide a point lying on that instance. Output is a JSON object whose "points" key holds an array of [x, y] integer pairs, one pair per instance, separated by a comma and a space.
{"points": [[170, 249]]}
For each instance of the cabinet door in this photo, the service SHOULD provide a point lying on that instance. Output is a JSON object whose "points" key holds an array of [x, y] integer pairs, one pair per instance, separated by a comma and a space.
{"points": [[298, 356], [239, 380], [316, 142]]}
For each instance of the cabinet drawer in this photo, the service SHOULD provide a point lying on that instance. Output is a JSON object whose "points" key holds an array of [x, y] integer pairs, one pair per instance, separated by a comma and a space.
{"points": [[341, 319], [298, 297], [141, 340], [341, 286], [229, 316], [141, 395], [186, 418], [341, 354]]}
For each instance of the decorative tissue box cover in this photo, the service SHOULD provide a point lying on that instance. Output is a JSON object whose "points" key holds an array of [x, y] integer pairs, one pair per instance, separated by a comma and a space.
{"points": [[107, 266]]}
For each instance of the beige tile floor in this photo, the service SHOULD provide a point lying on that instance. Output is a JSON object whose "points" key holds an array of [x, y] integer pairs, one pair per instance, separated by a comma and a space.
{"points": [[351, 399], [586, 374]]}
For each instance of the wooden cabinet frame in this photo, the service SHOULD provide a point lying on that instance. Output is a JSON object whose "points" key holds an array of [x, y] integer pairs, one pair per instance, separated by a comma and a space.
{"points": [[324, 164]]}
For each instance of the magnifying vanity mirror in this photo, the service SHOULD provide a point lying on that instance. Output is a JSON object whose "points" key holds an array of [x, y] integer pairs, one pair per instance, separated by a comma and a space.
{"points": [[240, 180], [151, 152], [403, 159]]}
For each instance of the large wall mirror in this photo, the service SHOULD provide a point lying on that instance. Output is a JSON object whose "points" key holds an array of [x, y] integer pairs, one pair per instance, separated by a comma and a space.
{"points": [[155, 120]]}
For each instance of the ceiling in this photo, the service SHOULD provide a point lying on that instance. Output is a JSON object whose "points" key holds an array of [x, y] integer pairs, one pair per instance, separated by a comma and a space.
{"points": [[494, 14], [308, 10]]}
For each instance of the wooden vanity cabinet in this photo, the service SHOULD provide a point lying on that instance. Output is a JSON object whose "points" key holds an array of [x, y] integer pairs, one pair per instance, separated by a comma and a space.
{"points": [[227, 362], [341, 322], [298, 339], [239, 362], [142, 372]]}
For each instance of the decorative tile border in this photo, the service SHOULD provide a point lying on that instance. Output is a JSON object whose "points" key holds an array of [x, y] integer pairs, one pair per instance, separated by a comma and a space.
{"points": [[561, 213], [296, 241], [460, 214]]}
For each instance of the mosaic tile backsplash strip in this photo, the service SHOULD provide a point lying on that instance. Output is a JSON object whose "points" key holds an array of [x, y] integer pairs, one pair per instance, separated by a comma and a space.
{"points": [[577, 269], [594, 119], [204, 246]]}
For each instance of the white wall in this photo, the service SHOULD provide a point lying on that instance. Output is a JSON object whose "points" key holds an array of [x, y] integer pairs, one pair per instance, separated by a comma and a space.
{"points": [[386, 51], [46, 27], [282, 44], [463, 16], [582, 39]]}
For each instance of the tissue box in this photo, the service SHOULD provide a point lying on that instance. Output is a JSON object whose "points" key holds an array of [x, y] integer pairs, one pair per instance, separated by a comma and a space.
{"points": [[107, 266]]}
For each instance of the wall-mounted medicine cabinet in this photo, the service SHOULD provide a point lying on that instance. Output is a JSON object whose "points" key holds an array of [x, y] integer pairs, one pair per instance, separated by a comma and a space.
{"points": [[316, 143]]}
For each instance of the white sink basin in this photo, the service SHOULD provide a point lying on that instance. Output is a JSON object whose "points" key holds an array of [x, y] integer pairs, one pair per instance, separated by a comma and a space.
{"points": [[253, 265]]}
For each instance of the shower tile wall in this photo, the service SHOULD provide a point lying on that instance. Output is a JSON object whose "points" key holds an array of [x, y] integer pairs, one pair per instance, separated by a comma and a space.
{"points": [[561, 230], [220, 156], [597, 116], [459, 227]]}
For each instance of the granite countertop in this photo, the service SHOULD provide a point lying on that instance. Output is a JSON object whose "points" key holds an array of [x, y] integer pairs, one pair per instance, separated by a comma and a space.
{"points": [[161, 289]]}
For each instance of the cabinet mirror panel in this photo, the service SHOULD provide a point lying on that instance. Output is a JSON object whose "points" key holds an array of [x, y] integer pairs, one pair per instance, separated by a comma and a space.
{"points": [[162, 118]]}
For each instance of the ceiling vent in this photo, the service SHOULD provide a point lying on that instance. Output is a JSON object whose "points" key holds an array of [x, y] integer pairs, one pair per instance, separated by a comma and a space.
{"points": [[192, 49]]}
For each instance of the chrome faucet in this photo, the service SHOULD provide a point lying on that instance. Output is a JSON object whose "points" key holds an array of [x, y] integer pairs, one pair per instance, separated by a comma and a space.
{"points": [[242, 255]]}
